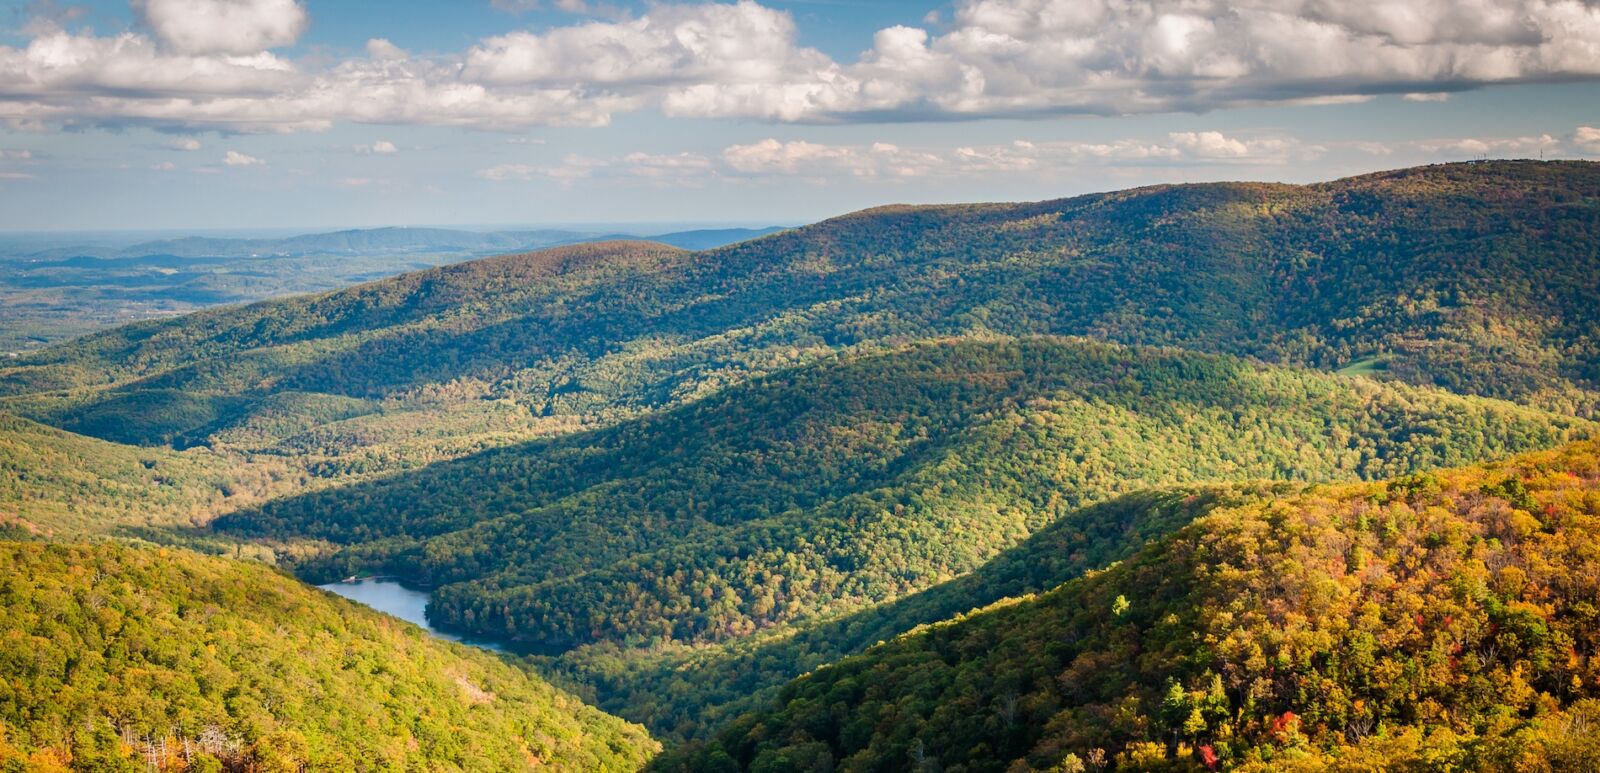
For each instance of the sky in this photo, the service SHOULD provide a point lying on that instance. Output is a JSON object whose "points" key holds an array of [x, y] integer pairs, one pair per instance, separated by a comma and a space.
{"points": [[233, 114]]}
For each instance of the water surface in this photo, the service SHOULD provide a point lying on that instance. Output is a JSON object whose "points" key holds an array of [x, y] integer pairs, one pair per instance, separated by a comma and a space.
{"points": [[408, 604]]}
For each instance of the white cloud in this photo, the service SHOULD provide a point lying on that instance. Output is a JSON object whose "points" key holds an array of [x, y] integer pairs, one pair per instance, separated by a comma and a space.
{"points": [[816, 161], [237, 27], [76, 79], [1210, 145], [164, 166], [672, 45], [1178, 148], [1121, 56], [1521, 147], [381, 50], [503, 172], [15, 176], [572, 167], [15, 155], [187, 144], [771, 157], [674, 166], [206, 64], [381, 147], [1586, 140], [1427, 96], [660, 169], [235, 158], [1183, 154]]}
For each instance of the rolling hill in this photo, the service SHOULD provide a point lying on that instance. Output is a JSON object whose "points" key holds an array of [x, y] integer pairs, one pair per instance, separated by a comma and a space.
{"points": [[118, 657], [676, 568], [833, 486], [371, 241], [1437, 621], [676, 480], [57, 485], [52, 295], [684, 691], [1475, 277]]}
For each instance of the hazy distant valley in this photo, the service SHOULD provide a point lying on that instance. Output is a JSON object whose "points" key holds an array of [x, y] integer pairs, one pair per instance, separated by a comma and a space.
{"points": [[52, 288]]}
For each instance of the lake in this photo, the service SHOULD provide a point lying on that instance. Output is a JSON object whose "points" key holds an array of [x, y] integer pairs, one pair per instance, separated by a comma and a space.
{"points": [[408, 604]]}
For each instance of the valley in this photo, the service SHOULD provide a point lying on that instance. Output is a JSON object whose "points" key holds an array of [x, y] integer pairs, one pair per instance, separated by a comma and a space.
{"points": [[54, 288], [1215, 476]]}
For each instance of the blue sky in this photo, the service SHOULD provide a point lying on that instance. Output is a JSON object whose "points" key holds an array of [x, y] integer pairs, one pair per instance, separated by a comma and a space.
{"points": [[204, 114]]}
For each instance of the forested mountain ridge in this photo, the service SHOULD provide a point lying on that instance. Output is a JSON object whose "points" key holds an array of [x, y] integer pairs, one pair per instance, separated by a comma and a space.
{"points": [[681, 479], [1439, 621], [1425, 274], [683, 692], [67, 290], [836, 485], [116, 658]]}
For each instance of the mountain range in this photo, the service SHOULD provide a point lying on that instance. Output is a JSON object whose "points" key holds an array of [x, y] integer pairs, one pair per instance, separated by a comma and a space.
{"points": [[1238, 475], [58, 292], [368, 241]]}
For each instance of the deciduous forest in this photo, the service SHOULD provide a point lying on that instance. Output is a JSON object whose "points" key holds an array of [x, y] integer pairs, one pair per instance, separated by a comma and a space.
{"points": [[1225, 476]]}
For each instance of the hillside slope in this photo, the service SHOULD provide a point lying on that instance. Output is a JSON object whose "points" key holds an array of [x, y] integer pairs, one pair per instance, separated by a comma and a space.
{"points": [[1476, 277], [115, 656], [831, 487], [1438, 621], [59, 485], [685, 692]]}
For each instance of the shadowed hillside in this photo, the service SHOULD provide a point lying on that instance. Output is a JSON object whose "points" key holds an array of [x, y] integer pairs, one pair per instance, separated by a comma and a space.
{"points": [[1476, 277], [848, 483]]}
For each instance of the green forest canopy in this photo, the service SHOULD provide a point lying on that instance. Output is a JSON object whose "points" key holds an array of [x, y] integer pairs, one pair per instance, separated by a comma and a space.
{"points": [[1438, 621], [114, 656], [1475, 277]]}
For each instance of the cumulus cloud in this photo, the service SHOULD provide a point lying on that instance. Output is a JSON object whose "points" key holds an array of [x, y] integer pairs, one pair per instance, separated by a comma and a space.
{"points": [[237, 27], [1587, 140], [1122, 56], [186, 144], [209, 64], [381, 148], [71, 78], [672, 46], [235, 158]]}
